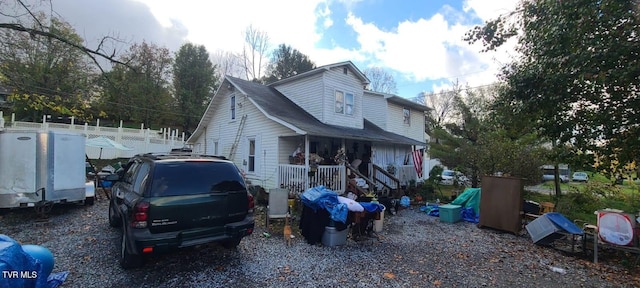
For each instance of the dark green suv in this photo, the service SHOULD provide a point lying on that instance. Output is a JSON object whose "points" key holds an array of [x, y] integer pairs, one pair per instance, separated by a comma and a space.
{"points": [[167, 201]]}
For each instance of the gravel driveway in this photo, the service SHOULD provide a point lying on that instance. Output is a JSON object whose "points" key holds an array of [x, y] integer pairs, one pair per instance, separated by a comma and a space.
{"points": [[414, 250]]}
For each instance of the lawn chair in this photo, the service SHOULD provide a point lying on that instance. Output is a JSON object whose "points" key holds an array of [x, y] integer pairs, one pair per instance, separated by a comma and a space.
{"points": [[278, 206]]}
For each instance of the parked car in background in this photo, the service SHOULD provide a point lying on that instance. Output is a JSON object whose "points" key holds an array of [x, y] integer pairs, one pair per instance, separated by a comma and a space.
{"points": [[449, 177], [163, 202], [550, 177], [580, 177]]}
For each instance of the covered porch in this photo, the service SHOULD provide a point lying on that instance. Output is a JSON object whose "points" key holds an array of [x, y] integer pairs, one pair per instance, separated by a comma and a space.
{"points": [[308, 161]]}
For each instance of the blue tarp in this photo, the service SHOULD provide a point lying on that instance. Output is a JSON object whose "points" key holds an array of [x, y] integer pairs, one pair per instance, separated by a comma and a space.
{"points": [[564, 223], [13, 258], [371, 207], [467, 213], [320, 197]]}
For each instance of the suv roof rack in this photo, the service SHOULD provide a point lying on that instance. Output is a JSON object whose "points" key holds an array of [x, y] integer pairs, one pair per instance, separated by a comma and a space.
{"points": [[178, 155]]}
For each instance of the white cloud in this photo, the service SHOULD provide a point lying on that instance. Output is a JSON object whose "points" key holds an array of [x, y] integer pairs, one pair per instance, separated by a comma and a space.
{"points": [[220, 25], [432, 49]]}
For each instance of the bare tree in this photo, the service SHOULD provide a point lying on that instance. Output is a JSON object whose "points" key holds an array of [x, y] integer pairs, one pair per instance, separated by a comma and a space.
{"points": [[442, 107], [228, 63], [20, 16], [381, 80], [253, 52]]}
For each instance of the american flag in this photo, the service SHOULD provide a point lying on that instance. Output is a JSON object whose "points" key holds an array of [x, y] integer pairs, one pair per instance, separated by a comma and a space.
{"points": [[417, 161]]}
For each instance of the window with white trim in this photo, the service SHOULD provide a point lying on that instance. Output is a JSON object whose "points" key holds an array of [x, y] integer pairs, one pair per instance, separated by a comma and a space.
{"points": [[339, 102], [406, 116], [251, 161], [348, 103], [233, 107]]}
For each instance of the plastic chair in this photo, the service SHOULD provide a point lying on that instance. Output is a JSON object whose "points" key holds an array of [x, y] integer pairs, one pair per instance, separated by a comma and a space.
{"points": [[278, 207]]}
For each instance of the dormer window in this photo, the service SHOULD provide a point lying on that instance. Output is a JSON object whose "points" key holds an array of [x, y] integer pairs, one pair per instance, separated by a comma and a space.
{"points": [[344, 103], [345, 71], [406, 116], [348, 102], [339, 102]]}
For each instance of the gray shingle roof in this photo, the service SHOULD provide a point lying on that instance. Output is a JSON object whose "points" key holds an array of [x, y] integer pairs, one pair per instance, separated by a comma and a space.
{"points": [[273, 103]]}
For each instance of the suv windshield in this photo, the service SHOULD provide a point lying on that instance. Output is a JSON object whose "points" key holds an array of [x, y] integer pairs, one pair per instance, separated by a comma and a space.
{"points": [[174, 178]]}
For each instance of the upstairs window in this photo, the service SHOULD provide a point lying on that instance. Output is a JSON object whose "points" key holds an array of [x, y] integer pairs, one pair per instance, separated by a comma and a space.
{"points": [[339, 102], [233, 107], [406, 116], [348, 101]]}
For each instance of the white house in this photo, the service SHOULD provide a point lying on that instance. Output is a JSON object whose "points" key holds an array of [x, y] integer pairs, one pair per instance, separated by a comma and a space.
{"points": [[259, 127]]}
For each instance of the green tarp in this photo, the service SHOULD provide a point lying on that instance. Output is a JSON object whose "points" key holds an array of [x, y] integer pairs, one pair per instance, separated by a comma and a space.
{"points": [[469, 198]]}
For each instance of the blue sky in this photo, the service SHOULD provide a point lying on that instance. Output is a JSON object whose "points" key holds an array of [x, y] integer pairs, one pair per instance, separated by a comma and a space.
{"points": [[418, 41]]}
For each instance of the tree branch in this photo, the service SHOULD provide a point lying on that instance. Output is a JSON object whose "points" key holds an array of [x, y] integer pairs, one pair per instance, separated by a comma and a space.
{"points": [[90, 52]]}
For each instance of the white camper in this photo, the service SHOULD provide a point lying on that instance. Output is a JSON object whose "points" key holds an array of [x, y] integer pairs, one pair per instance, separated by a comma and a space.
{"points": [[39, 168]]}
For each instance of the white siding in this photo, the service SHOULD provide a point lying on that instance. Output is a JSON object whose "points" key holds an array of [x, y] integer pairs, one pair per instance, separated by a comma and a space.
{"points": [[306, 93], [395, 122], [375, 109], [257, 126], [336, 80]]}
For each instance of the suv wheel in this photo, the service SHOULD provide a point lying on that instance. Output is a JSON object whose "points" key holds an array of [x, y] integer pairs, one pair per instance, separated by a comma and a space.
{"points": [[128, 259], [114, 218], [231, 244]]}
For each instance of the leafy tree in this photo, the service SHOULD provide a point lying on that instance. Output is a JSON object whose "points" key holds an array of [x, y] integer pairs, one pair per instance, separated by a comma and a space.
{"points": [[286, 62], [577, 79], [48, 77], [381, 80], [140, 94], [194, 80], [477, 145]]}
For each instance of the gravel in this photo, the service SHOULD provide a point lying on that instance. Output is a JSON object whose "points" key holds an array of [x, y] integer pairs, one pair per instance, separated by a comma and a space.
{"points": [[413, 250]]}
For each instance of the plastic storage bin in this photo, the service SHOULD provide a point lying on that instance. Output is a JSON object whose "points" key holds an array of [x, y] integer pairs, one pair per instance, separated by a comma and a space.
{"points": [[543, 230], [332, 237], [450, 213]]}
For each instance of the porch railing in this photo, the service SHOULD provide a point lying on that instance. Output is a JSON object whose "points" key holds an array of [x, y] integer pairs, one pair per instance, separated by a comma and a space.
{"points": [[384, 178], [297, 179]]}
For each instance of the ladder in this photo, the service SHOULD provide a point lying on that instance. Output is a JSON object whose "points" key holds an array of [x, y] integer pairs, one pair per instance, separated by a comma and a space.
{"points": [[234, 147]]}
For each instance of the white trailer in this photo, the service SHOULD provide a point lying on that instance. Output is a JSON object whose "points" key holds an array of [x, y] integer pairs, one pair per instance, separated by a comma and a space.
{"points": [[40, 168]]}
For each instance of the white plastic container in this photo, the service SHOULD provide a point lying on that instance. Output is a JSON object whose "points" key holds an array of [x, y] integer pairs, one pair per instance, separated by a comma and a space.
{"points": [[377, 224]]}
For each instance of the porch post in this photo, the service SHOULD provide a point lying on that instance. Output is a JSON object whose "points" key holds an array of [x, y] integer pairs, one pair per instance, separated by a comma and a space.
{"points": [[306, 161]]}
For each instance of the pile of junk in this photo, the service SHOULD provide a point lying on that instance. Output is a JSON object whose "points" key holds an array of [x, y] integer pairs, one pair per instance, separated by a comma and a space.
{"points": [[329, 218]]}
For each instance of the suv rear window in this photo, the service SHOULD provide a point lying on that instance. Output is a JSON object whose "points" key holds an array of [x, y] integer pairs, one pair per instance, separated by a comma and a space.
{"points": [[175, 178]]}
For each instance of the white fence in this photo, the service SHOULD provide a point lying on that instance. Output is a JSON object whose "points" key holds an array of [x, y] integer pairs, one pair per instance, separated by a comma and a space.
{"points": [[141, 140]]}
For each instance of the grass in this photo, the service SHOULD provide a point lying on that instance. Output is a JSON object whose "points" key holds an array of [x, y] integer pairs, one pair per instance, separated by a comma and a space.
{"points": [[579, 201]]}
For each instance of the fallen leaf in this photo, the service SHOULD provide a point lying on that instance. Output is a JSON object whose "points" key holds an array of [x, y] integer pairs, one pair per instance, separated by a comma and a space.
{"points": [[413, 272], [389, 275], [437, 283]]}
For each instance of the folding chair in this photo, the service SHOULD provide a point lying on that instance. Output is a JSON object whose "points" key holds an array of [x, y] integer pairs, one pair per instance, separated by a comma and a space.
{"points": [[278, 206]]}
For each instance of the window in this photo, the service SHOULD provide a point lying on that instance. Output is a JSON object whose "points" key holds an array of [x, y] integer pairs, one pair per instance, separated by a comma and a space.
{"points": [[141, 177], [233, 107], [406, 116], [215, 148], [345, 71], [251, 167], [339, 102], [348, 101], [195, 177]]}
